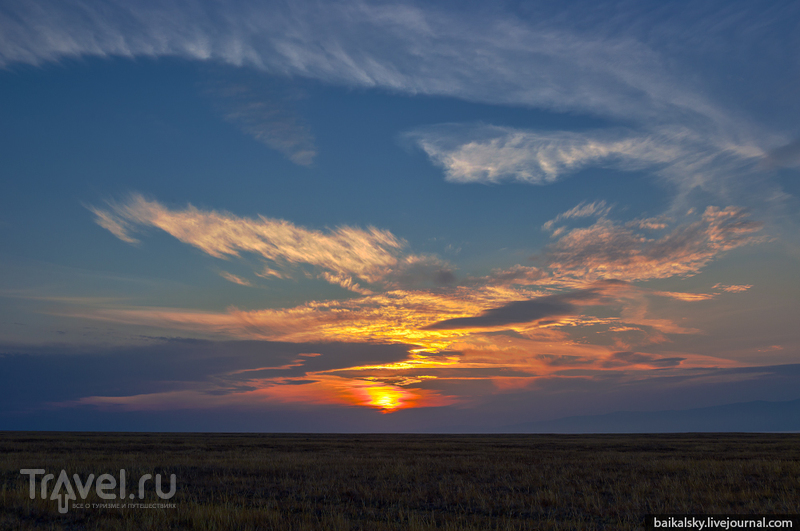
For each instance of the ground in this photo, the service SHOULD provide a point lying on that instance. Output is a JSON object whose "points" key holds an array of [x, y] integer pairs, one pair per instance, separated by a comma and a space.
{"points": [[400, 482]]}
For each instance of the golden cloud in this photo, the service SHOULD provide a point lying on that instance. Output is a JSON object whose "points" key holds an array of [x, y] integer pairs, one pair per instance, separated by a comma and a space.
{"points": [[365, 253], [613, 251]]}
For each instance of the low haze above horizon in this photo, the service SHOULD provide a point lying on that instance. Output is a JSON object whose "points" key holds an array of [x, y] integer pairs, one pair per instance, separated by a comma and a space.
{"points": [[394, 216]]}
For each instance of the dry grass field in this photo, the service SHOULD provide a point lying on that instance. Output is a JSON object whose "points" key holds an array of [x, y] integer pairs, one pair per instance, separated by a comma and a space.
{"points": [[407, 482]]}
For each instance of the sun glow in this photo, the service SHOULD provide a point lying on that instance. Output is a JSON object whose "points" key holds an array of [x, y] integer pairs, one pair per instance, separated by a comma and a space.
{"points": [[512, 356], [385, 398]]}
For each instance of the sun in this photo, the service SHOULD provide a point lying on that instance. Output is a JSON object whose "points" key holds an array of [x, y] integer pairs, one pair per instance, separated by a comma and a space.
{"points": [[386, 399]]}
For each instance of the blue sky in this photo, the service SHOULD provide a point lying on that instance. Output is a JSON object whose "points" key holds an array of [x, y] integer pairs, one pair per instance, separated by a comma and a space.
{"points": [[350, 216]]}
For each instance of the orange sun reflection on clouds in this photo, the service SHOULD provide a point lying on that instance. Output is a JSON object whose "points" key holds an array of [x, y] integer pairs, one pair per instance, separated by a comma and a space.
{"points": [[364, 391], [511, 355], [582, 312]]}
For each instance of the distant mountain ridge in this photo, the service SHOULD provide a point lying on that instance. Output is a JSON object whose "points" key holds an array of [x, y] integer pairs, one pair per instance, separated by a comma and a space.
{"points": [[756, 416]]}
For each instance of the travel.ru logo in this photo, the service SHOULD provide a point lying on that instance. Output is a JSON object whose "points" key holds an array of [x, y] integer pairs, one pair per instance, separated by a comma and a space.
{"points": [[63, 490]]}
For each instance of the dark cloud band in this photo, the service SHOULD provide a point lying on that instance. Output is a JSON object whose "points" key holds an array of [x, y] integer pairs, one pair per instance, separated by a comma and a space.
{"points": [[521, 311]]}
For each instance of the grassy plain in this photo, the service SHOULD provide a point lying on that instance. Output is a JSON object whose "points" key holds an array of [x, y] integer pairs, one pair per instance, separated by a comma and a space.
{"points": [[413, 482]]}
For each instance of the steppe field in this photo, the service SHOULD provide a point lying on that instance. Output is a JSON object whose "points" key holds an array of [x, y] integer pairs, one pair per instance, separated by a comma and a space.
{"points": [[400, 482]]}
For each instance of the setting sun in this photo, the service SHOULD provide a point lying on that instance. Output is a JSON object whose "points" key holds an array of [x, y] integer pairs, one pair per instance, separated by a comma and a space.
{"points": [[384, 398]]}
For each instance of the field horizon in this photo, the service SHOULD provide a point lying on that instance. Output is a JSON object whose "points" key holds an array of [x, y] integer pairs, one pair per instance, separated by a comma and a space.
{"points": [[400, 481]]}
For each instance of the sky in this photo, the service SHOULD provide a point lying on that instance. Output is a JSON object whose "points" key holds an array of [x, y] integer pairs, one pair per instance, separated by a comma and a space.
{"points": [[394, 216]]}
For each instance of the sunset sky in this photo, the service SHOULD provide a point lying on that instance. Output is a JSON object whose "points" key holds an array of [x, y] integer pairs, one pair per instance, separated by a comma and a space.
{"points": [[374, 216]]}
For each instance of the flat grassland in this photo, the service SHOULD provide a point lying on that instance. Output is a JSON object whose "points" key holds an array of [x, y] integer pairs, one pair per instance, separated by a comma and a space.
{"points": [[399, 482]]}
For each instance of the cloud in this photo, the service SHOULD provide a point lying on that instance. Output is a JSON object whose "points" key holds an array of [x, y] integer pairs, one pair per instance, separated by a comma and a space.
{"points": [[393, 316], [435, 312], [681, 296], [450, 342], [610, 250], [491, 154], [344, 252], [518, 274], [732, 288], [512, 313], [181, 373], [114, 224], [417, 299], [420, 271], [635, 73], [687, 157], [638, 358], [344, 281], [267, 272], [553, 60], [233, 278], [523, 311], [412, 317], [653, 223], [320, 391], [267, 115], [583, 210]]}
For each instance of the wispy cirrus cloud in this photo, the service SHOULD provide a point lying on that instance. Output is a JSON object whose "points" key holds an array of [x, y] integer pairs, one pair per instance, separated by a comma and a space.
{"points": [[399, 304], [399, 46], [611, 250], [116, 225], [635, 73], [392, 316], [682, 296], [590, 62], [268, 116], [582, 210], [431, 320], [732, 288], [230, 277], [492, 154], [342, 253]]}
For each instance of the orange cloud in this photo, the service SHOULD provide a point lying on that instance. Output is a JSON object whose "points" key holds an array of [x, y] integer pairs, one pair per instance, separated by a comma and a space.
{"points": [[398, 316], [432, 320], [583, 210], [612, 251], [656, 223], [689, 297], [343, 254], [233, 278], [116, 225], [325, 389], [732, 288], [343, 251], [444, 367], [506, 329]]}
